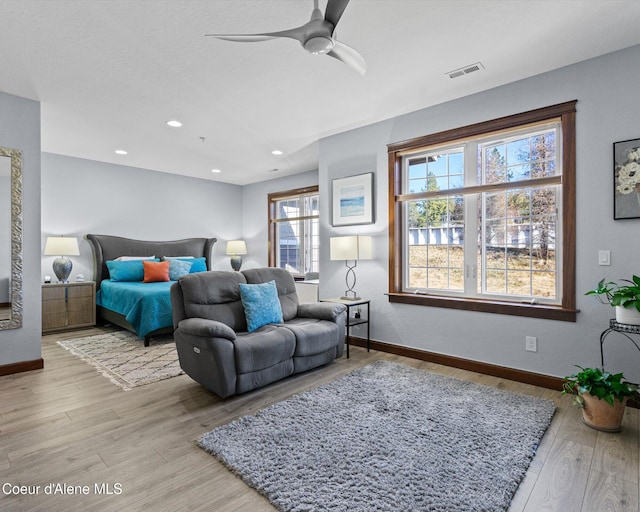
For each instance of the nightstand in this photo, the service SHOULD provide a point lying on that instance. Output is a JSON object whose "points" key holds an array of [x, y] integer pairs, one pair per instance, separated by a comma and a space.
{"points": [[68, 305], [355, 317]]}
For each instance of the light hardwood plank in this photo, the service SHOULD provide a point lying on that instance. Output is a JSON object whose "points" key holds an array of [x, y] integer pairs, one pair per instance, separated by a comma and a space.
{"points": [[68, 424]]}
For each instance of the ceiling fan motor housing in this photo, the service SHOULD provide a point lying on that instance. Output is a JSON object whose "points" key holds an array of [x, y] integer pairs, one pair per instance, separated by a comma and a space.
{"points": [[318, 44]]}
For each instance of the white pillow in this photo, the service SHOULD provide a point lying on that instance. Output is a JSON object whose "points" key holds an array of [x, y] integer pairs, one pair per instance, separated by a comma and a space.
{"points": [[132, 258]]}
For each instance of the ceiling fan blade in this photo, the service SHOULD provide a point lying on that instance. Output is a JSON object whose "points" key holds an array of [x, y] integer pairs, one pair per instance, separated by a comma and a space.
{"points": [[294, 33], [246, 38], [334, 11], [349, 56]]}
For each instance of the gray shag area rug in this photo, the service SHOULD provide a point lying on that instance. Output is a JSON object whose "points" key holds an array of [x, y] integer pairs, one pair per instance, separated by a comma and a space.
{"points": [[387, 437], [123, 359]]}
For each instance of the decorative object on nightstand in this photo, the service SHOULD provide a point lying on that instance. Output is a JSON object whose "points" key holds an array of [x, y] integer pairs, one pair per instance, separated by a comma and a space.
{"points": [[62, 246], [351, 248], [235, 248], [68, 306]]}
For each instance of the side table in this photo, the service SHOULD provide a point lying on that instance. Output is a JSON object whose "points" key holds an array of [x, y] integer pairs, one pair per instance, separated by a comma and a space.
{"points": [[624, 329], [356, 319], [68, 305]]}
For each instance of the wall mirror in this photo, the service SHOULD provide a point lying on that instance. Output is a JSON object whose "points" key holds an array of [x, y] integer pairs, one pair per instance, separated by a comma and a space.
{"points": [[10, 238]]}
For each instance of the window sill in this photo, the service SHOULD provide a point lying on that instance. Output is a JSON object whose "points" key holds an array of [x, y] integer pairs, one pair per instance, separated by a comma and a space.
{"points": [[545, 311]]}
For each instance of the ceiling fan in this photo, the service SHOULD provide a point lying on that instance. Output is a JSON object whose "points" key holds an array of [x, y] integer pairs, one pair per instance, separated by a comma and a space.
{"points": [[316, 36]]}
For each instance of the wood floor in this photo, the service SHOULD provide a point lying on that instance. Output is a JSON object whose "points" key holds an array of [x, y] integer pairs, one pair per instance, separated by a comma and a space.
{"points": [[69, 426]]}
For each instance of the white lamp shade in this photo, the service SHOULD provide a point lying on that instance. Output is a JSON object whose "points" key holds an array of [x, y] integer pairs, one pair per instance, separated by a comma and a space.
{"points": [[236, 247], [354, 247], [61, 246]]}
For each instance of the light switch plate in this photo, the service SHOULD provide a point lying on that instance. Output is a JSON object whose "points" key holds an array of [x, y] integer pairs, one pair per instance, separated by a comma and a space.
{"points": [[604, 257]]}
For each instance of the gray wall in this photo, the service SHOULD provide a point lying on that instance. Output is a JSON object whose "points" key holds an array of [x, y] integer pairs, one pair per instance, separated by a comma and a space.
{"points": [[607, 111], [84, 196], [20, 129]]}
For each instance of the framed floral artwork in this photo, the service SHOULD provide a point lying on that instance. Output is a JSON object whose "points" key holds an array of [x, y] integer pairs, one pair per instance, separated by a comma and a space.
{"points": [[626, 179], [353, 200]]}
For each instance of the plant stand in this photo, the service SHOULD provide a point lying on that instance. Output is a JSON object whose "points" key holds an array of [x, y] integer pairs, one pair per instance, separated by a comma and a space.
{"points": [[625, 329]]}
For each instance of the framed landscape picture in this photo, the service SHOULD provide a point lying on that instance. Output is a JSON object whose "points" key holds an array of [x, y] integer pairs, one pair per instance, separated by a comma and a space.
{"points": [[353, 200], [626, 179]]}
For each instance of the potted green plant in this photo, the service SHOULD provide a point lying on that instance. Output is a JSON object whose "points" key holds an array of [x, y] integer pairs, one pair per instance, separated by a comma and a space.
{"points": [[601, 395], [624, 296]]}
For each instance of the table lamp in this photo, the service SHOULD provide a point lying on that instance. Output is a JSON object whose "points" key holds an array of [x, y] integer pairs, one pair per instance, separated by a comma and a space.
{"points": [[235, 248], [351, 248], [62, 246]]}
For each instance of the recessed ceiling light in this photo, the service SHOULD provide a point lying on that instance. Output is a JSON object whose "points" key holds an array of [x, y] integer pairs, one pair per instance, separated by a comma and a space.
{"points": [[276, 152], [216, 170], [174, 123], [121, 152]]}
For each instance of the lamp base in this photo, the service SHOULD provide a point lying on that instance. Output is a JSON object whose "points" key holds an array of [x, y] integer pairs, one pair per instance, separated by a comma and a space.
{"points": [[236, 262], [62, 269], [350, 298]]}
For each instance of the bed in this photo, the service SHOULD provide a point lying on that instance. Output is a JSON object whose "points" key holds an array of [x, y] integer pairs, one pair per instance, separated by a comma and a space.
{"points": [[142, 308]]}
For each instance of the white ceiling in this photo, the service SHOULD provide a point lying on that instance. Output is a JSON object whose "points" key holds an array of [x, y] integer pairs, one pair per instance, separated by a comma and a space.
{"points": [[109, 74]]}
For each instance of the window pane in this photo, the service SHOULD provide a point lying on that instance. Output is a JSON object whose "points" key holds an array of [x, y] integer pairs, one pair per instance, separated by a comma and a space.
{"points": [[518, 283], [494, 165], [516, 227], [495, 282], [543, 285], [289, 245], [288, 208], [417, 278], [296, 246], [520, 158], [435, 243], [520, 242]]}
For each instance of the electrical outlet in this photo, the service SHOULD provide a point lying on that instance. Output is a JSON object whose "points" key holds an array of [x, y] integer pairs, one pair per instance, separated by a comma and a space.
{"points": [[531, 343]]}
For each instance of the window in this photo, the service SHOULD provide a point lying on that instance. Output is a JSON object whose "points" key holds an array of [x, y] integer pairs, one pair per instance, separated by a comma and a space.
{"points": [[483, 217], [293, 230]]}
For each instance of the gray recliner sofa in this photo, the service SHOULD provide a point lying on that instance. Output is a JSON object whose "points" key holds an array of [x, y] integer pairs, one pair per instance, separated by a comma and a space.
{"points": [[215, 349]]}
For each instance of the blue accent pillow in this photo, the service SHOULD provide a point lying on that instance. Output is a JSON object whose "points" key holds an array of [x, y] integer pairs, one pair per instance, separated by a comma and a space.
{"points": [[126, 271], [178, 268], [197, 264], [261, 304]]}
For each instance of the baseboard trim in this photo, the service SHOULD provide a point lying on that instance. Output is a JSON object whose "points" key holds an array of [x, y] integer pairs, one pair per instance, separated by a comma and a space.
{"points": [[503, 372], [536, 379], [22, 366]]}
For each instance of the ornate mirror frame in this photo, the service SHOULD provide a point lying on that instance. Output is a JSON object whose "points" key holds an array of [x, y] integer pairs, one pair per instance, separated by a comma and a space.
{"points": [[16, 239]]}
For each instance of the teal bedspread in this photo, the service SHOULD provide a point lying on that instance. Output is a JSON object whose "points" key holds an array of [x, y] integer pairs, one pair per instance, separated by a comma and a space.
{"points": [[146, 306]]}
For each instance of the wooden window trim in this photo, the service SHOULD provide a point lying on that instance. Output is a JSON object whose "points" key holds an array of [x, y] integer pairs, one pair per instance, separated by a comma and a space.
{"points": [[567, 311], [272, 199]]}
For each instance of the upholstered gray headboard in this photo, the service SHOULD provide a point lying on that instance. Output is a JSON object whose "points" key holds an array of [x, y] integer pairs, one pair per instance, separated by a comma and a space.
{"points": [[107, 247]]}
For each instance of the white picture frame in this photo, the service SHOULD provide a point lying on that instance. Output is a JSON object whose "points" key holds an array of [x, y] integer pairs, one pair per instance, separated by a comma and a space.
{"points": [[352, 200]]}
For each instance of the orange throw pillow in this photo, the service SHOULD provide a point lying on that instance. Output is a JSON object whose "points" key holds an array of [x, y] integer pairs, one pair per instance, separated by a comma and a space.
{"points": [[155, 271]]}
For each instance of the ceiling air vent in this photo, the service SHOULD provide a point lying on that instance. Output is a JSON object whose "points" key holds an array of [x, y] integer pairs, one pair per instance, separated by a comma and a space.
{"points": [[465, 70]]}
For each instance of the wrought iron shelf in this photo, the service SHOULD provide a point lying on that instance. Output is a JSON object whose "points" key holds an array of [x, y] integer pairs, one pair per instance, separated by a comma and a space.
{"points": [[624, 329]]}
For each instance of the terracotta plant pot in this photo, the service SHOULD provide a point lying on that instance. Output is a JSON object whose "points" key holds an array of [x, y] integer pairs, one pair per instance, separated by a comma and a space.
{"points": [[600, 415]]}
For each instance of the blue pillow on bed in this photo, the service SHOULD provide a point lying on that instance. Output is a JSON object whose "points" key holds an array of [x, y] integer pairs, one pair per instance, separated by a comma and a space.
{"points": [[126, 271], [178, 268], [261, 304], [197, 265]]}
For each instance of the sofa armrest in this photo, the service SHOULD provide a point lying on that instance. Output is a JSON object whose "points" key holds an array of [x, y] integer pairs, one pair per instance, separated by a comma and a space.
{"points": [[207, 328], [321, 310]]}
